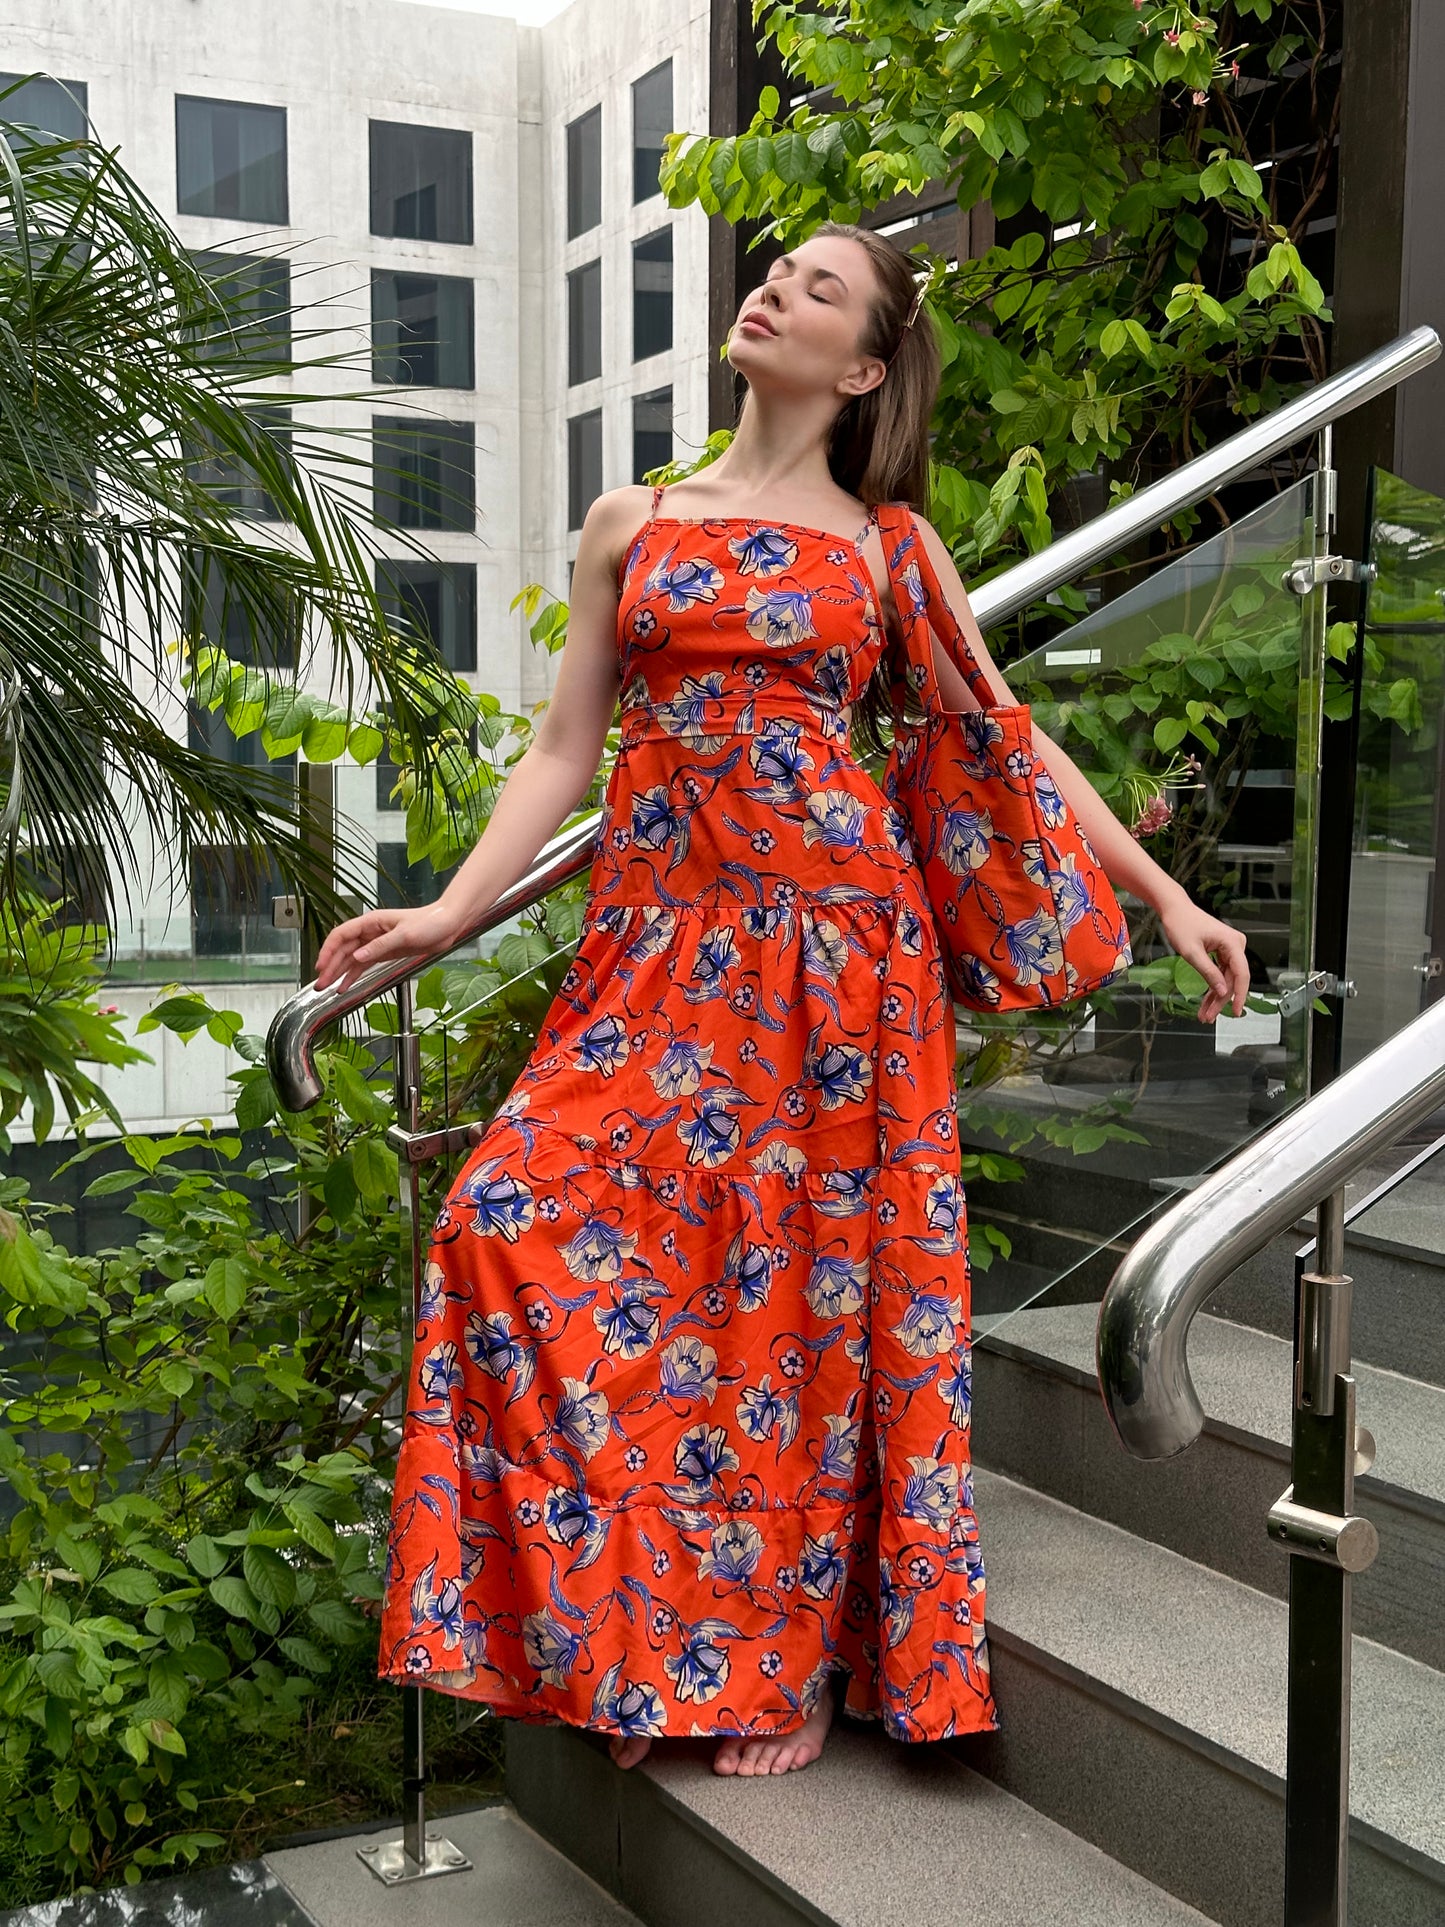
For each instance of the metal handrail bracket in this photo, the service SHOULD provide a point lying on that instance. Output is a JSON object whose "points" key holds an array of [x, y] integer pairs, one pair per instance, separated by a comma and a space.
{"points": [[1143, 1332]]}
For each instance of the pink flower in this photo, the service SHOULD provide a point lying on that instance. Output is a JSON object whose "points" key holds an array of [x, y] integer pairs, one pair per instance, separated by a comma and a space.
{"points": [[1152, 819], [1234, 68], [1171, 34], [1199, 96]]}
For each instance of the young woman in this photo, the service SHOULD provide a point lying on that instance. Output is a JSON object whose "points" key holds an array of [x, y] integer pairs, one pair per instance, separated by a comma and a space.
{"points": [[687, 1433]]}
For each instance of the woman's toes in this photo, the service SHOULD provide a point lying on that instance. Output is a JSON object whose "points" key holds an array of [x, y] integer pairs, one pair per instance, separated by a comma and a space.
{"points": [[786, 1757], [627, 1749], [728, 1757]]}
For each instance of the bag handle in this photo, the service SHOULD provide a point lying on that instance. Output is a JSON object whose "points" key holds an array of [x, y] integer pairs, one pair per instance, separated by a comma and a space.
{"points": [[921, 604]]}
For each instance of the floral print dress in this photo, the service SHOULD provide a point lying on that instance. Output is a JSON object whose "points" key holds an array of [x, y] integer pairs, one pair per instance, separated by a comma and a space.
{"points": [[687, 1425]]}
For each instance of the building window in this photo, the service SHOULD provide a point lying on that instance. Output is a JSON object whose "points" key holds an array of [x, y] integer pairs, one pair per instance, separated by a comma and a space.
{"points": [[651, 124], [261, 632], [55, 107], [421, 182], [234, 482], [584, 172], [584, 465], [421, 330], [424, 475], [437, 598], [386, 775], [251, 320], [231, 160], [208, 732], [652, 294], [584, 323], [399, 883], [651, 431]]}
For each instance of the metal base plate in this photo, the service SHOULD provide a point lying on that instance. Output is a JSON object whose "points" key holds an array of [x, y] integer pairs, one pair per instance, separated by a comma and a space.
{"points": [[389, 1861]]}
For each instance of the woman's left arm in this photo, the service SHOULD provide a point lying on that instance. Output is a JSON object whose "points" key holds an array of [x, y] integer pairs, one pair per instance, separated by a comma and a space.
{"points": [[1215, 949]]}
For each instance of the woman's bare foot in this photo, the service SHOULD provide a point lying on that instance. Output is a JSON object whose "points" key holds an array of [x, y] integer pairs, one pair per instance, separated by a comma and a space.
{"points": [[628, 1748], [782, 1754]]}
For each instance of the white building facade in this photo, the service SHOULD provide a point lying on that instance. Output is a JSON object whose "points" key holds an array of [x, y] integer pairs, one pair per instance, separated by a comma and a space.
{"points": [[473, 200]]}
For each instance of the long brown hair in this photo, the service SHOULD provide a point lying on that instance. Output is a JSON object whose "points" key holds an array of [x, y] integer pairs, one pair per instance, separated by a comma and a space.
{"points": [[878, 446]]}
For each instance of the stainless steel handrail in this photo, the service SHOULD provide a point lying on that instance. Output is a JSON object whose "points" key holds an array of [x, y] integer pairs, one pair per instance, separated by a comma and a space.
{"points": [[1143, 1332], [290, 1043]]}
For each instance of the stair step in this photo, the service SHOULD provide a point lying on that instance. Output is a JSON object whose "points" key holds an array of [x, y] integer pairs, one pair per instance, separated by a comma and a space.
{"points": [[1039, 1419], [516, 1880], [1143, 1701], [873, 1833]]}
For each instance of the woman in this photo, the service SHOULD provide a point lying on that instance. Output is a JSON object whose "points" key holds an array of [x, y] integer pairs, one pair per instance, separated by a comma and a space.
{"points": [[687, 1426]]}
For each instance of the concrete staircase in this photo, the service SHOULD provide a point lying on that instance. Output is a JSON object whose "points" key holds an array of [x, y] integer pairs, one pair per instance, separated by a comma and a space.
{"points": [[1138, 1626]]}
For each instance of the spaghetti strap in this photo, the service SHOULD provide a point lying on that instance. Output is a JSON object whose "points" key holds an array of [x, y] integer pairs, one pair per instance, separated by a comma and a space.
{"points": [[862, 536], [656, 498]]}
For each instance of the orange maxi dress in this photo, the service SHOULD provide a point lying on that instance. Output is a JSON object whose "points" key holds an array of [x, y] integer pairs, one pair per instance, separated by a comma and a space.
{"points": [[687, 1426]]}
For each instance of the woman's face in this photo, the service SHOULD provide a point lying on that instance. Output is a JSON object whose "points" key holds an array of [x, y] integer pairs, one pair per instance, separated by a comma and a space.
{"points": [[801, 327]]}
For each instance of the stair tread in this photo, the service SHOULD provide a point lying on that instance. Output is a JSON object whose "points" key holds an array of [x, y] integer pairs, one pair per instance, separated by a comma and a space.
{"points": [[1203, 1654], [516, 1880], [1245, 1381], [943, 1844]]}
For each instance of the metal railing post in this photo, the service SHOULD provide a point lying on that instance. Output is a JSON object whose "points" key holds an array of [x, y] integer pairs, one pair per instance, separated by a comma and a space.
{"points": [[1314, 1521], [418, 1854]]}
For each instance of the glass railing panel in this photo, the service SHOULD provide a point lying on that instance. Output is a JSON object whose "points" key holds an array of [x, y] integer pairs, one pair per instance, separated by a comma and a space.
{"points": [[1106, 1112], [1396, 942]]}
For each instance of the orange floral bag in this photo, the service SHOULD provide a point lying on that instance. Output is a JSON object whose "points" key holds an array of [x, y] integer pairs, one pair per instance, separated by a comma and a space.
{"points": [[1026, 917]]}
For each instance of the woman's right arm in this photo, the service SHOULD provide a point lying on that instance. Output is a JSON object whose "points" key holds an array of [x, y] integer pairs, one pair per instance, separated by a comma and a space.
{"points": [[547, 783]]}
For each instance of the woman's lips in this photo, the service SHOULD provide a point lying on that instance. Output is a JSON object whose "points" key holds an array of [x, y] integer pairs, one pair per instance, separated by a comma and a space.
{"points": [[759, 322]]}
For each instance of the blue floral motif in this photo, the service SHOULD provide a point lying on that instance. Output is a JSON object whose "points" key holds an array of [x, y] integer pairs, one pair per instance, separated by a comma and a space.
{"points": [[700, 1671], [711, 1134], [732, 1554], [703, 1454], [440, 1373], [597, 1250], [779, 759], [552, 1648], [656, 825], [582, 1417], [504, 1205], [967, 840], [717, 954], [822, 1567], [1035, 947], [627, 1705], [930, 1493], [763, 1412], [842, 1074], [836, 819], [781, 618], [928, 1327], [1052, 806], [679, 1069], [685, 583], [629, 1327], [764, 552], [749, 1266], [835, 1285], [602, 1046], [687, 1372]]}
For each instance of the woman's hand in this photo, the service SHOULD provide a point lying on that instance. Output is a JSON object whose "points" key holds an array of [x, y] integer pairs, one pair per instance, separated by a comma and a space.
{"points": [[378, 935], [1216, 951]]}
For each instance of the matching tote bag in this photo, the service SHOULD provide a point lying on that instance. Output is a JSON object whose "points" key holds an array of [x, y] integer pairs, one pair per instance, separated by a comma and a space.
{"points": [[1026, 917]]}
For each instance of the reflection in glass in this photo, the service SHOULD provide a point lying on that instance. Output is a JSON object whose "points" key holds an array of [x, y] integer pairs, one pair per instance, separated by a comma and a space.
{"points": [[439, 599], [651, 431], [421, 182], [1396, 919], [584, 323], [1190, 702], [584, 172], [56, 107], [235, 481], [652, 294], [421, 329], [253, 301], [231, 160], [651, 124], [584, 465], [424, 475]]}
